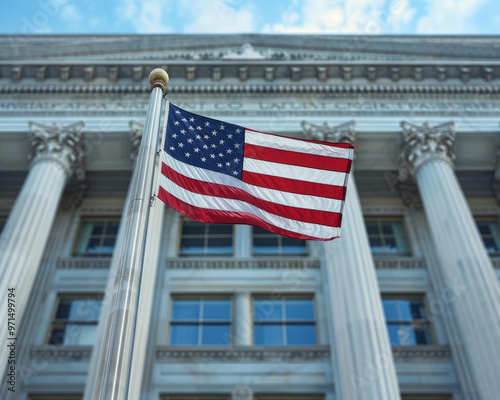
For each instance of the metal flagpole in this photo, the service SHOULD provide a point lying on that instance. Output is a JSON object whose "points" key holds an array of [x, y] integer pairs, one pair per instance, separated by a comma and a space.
{"points": [[116, 351]]}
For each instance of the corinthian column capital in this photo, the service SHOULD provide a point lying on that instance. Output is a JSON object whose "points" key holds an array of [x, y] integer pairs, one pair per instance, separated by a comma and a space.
{"points": [[62, 144], [423, 143], [343, 133]]}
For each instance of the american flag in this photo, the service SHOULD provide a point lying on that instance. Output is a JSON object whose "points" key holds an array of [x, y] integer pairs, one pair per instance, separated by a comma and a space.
{"points": [[214, 171]]}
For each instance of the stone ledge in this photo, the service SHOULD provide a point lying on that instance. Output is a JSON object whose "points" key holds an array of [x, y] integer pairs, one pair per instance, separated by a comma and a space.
{"points": [[61, 353], [406, 353], [399, 263], [230, 263], [495, 262], [242, 354], [84, 263]]}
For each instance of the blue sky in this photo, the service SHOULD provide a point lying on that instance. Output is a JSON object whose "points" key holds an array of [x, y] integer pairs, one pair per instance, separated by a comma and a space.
{"points": [[252, 16]]}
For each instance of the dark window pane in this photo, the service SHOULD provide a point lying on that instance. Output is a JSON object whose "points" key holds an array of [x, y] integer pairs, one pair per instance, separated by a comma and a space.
{"points": [[63, 309], [293, 246], [184, 335], [266, 309], [98, 228], [186, 310], [112, 228], [372, 228], [387, 228], [193, 228], [257, 230], [108, 245], [220, 245], [265, 245], [417, 309], [192, 245], [268, 334], [390, 244], [299, 309], [216, 335], [301, 334], [57, 336], [376, 245], [216, 310], [93, 245], [490, 245], [421, 334], [220, 229]]}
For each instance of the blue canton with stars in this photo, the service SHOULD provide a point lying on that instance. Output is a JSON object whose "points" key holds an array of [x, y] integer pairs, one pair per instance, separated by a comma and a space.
{"points": [[205, 142]]}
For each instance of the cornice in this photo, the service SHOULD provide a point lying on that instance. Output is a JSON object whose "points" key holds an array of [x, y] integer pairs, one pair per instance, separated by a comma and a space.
{"points": [[407, 353], [84, 263], [431, 89]]}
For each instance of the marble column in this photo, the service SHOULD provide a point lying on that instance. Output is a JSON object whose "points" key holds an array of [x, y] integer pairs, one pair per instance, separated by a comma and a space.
{"points": [[362, 358], [243, 319], [57, 154], [466, 276], [147, 292]]}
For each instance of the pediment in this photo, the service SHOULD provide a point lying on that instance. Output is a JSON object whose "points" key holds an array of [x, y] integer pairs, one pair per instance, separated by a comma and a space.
{"points": [[228, 48]]}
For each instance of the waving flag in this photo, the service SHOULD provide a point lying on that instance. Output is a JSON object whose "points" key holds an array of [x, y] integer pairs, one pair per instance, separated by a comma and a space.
{"points": [[213, 171]]}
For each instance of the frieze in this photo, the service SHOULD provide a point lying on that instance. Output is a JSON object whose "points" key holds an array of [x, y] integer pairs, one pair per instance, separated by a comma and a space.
{"points": [[61, 353], [401, 353], [399, 263], [247, 354], [85, 263], [278, 263], [320, 106]]}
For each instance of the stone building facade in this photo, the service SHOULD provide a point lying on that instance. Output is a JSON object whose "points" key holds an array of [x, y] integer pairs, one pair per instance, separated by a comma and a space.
{"points": [[405, 305]]}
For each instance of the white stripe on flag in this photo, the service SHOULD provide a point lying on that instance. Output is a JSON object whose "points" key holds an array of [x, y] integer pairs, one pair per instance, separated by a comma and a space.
{"points": [[271, 195], [231, 205], [284, 143], [294, 172]]}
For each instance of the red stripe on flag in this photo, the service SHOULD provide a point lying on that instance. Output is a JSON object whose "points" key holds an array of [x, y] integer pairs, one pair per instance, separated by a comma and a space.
{"points": [[296, 158], [211, 189], [294, 186], [226, 217]]}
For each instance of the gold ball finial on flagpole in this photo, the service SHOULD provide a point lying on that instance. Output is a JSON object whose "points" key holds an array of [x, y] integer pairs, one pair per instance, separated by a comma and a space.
{"points": [[159, 78]]}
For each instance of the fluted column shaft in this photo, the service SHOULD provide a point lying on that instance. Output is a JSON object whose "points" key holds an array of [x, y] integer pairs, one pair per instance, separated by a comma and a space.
{"points": [[467, 275], [29, 224], [362, 351], [244, 323]]}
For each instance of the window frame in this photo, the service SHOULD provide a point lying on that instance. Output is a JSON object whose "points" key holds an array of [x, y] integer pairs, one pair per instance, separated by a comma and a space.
{"points": [[425, 322], [63, 322], [206, 236], [405, 237], [201, 322], [78, 237], [494, 220], [284, 322]]}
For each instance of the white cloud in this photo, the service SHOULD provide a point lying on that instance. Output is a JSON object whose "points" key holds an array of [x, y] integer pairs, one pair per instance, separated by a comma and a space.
{"points": [[219, 16], [70, 13], [349, 16], [147, 16], [449, 16]]}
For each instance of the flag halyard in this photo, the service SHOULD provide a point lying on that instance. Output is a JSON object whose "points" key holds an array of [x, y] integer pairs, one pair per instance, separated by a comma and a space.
{"points": [[218, 172]]}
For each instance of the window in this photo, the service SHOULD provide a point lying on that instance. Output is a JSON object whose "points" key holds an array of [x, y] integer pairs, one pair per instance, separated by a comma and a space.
{"points": [[284, 321], [75, 320], [200, 239], [490, 232], [200, 321], [97, 237], [386, 236], [289, 397], [195, 397], [266, 243], [406, 320]]}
